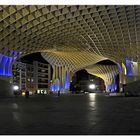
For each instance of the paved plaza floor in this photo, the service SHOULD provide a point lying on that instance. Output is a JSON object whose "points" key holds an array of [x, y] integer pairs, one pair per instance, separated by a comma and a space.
{"points": [[91, 114]]}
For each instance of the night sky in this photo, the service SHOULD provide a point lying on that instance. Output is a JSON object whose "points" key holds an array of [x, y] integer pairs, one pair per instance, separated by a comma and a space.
{"points": [[82, 75], [33, 57], [106, 62]]}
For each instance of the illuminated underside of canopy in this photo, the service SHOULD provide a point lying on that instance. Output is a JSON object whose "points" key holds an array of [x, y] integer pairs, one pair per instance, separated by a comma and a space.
{"points": [[74, 61], [72, 36], [107, 72]]}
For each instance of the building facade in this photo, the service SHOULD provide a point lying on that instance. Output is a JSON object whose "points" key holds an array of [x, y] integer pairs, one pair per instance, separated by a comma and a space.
{"points": [[34, 77], [99, 85]]}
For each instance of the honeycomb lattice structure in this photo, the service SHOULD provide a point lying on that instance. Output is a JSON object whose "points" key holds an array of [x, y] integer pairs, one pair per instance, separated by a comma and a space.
{"points": [[73, 35], [106, 72]]}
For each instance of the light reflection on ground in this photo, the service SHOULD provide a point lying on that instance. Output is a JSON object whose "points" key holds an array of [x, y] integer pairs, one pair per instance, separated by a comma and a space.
{"points": [[92, 97]]}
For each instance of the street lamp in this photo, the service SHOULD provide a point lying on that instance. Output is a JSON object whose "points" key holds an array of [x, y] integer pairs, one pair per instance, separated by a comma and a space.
{"points": [[15, 87], [92, 86]]}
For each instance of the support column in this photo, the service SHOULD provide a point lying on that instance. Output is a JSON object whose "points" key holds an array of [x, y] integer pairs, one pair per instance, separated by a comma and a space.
{"points": [[61, 78], [5, 75], [5, 65], [130, 73], [111, 85]]}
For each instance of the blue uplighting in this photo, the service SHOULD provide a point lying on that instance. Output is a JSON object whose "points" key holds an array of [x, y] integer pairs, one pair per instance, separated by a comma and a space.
{"points": [[5, 65], [5, 59], [67, 83], [52, 87], [120, 68], [9, 66], [128, 67], [55, 86], [112, 87]]}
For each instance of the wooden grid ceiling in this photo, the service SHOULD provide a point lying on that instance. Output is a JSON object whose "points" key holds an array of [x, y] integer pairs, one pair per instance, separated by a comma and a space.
{"points": [[78, 35], [106, 72]]}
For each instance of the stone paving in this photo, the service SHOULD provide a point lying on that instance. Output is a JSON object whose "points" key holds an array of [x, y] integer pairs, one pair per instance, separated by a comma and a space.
{"points": [[91, 114]]}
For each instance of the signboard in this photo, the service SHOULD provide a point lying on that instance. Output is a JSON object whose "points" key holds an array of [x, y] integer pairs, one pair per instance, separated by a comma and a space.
{"points": [[41, 91]]}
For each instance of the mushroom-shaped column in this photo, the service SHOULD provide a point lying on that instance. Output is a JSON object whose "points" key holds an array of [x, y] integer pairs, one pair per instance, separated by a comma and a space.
{"points": [[108, 73], [65, 63], [61, 78]]}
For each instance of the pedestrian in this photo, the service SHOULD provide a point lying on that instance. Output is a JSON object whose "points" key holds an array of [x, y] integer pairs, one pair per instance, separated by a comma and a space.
{"points": [[16, 93], [58, 92], [27, 94]]}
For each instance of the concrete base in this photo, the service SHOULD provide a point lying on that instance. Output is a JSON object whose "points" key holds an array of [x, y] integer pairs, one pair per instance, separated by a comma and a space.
{"points": [[5, 87]]}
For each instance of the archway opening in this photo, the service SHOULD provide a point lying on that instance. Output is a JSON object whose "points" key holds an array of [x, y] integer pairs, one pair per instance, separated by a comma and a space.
{"points": [[115, 86], [82, 81]]}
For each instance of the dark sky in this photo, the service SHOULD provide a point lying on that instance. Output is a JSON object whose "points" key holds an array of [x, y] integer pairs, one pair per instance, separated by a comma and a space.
{"points": [[83, 75], [106, 62], [33, 57]]}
